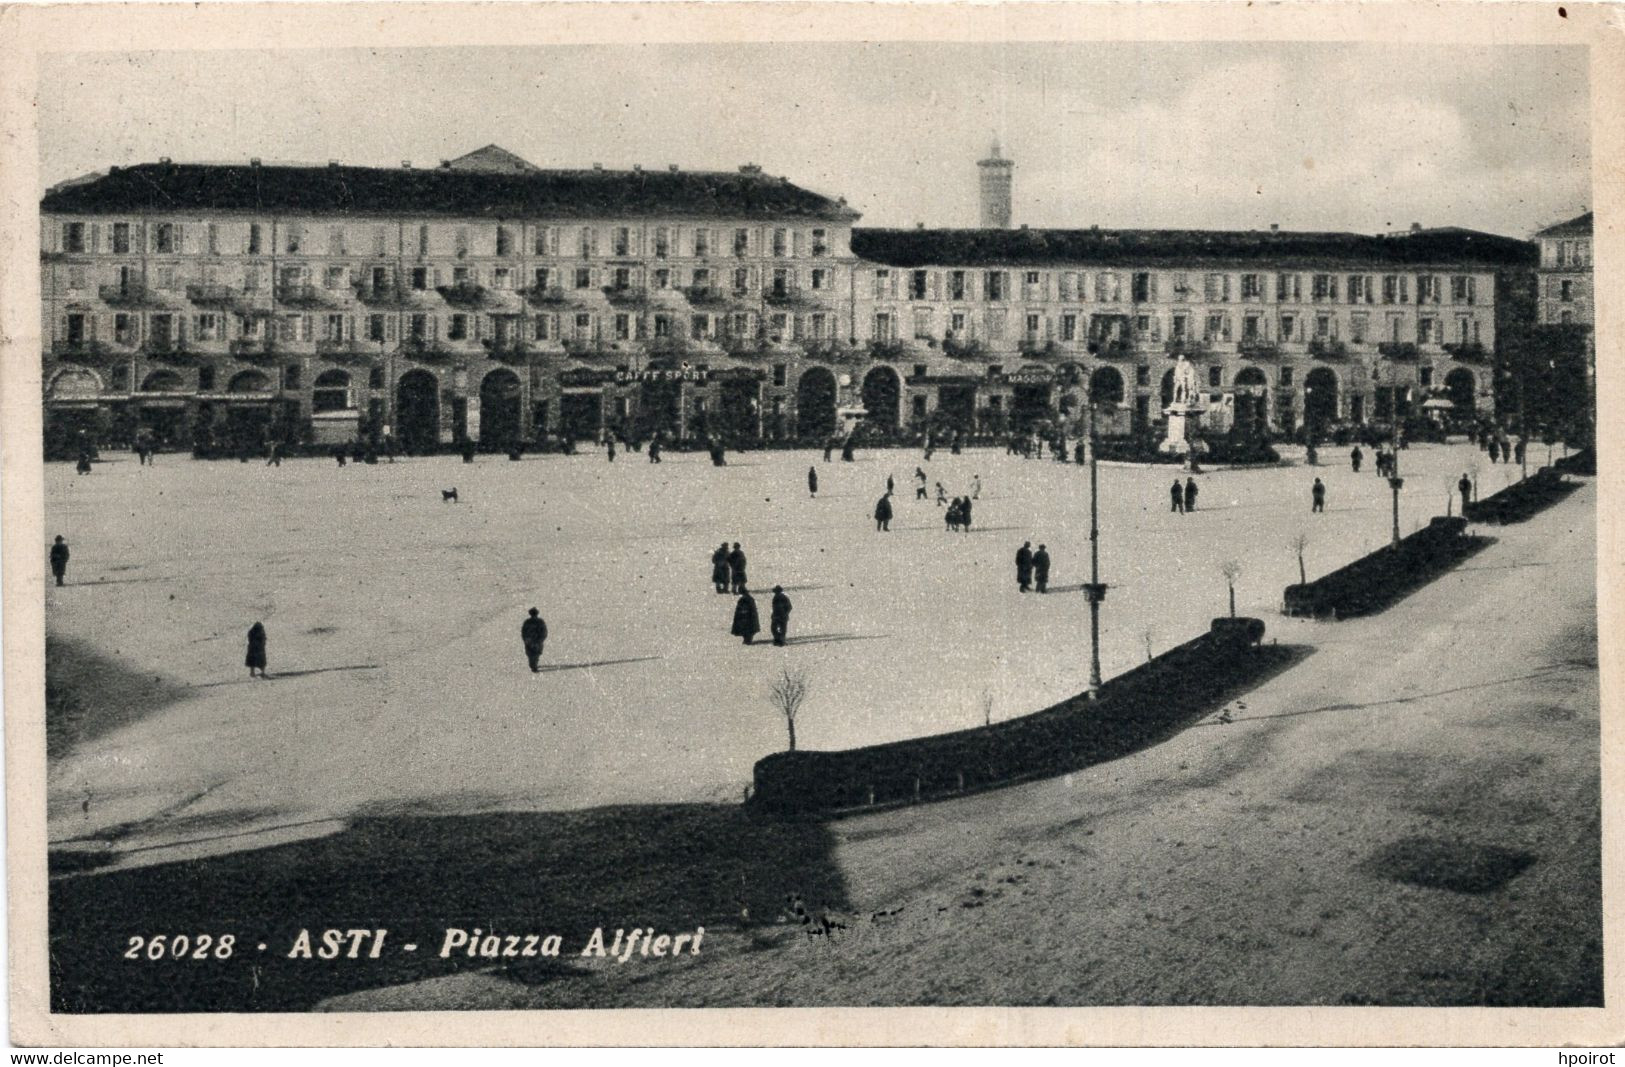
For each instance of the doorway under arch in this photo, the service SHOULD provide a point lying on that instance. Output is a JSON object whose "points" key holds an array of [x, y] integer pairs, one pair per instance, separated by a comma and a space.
{"points": [[417, 411], [815, 404], [1461, 386], [500, 403], [882, 397], [1320, 398], [1105, 386]]}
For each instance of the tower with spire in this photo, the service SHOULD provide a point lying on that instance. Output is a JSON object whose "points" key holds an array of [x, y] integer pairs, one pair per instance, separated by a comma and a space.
{"points": [[996, 175]]}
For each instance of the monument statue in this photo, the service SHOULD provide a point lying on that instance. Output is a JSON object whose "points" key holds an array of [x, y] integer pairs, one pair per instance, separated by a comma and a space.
{"points": [[1184, 414], [1184, 381]]}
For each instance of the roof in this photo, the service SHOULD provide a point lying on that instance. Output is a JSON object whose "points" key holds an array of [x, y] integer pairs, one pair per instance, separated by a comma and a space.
{"points": [[494, 159], [446, 190], [1025, 247], [1579, 226]]}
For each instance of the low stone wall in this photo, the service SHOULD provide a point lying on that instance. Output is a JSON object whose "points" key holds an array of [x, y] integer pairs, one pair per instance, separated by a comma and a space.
{"points": [[1522, 499], [1132, 709], [1376, 580]]}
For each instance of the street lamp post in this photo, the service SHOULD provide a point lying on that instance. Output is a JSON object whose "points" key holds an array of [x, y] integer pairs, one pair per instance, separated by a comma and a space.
{"points": [[1095, 590], [1395, 482]]}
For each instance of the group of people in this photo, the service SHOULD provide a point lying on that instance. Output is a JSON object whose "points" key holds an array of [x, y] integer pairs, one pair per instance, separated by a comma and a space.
{"points": [[1182, 496], [747, 623], [728, 568], [1032, 568]]}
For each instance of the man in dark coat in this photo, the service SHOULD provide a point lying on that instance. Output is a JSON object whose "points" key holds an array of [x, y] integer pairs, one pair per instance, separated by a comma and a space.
{"points": [[891, 487], [1176, 497], [919, 484], [533, 632], [468, 450], [1355, 458], [829, 446], [1024, 565], [846, 451], [1041, 569], [812, 481], [1494, 450], [746, 622], [610, 448], [1190, 494], [654, 450], [1317, 492], [736, 567], [255, 660], [964, 513], [59, 559], [883, 513], [720, 567], [779, 622], [1465, 487]]}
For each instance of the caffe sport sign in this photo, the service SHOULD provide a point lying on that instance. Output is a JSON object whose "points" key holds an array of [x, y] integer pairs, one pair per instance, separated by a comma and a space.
{"points": [[672, 374]]}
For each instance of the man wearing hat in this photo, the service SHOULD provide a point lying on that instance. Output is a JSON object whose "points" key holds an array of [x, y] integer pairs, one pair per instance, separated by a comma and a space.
{"points": [[533, 632], [779, 623]]}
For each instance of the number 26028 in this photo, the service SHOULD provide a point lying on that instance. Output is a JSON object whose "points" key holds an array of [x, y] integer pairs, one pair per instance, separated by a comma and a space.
{"points": [[181, 947]]}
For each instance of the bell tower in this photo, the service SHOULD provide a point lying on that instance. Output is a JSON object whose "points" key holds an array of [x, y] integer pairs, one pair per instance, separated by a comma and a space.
{"points": [[995, 183]]}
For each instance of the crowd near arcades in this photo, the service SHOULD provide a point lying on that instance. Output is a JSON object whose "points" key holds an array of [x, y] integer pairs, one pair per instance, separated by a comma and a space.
{"points": [[490, 301]]}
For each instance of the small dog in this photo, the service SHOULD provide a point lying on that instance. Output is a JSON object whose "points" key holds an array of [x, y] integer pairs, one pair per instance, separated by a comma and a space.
{"points": [[449, 496]]}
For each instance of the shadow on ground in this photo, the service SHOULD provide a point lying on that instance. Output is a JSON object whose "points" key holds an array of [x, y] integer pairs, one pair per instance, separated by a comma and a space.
{"points": [[673, 867], [72, 668]]}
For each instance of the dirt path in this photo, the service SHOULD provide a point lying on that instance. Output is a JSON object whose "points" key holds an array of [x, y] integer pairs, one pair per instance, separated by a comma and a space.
{"points": [[1410, 815]]}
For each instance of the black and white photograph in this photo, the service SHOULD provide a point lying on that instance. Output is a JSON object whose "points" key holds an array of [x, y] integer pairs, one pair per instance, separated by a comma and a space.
{"points": [[1070, 515]]}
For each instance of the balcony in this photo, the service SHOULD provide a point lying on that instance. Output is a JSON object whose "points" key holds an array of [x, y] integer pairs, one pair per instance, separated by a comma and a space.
{"points": [[465, 295], [1111, 348], [390, 296], [353, 352], [1398, 350], [300, 295], [1034, 349], [968, 349], [215, 296], [590, 350], [1259, 349], [787, 298], [257, 349], [705, 295], [1470, 352], [1187, 347], [515, 353], [1326, 348], [552, 296], [84, 351], [173, 350], [425, 350], [131, 295], [627, 296]]}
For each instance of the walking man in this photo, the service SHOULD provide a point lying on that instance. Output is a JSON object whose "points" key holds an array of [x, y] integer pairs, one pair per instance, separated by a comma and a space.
{"points": [[919, 484], [1355, 459], [883, 512], [59, 559], [942, 495], [1190, 495], [736, 565], [1176, 497], [829, 445], [747, 624], [890, 486], [533, 632], [975, 487], [654, 450], [1041, 569], [255, 660], [720, 567], [1024, 565], [779, 622], [812, 481], [1318, 493], [610, 444], [964, 513], [1465, 487]]}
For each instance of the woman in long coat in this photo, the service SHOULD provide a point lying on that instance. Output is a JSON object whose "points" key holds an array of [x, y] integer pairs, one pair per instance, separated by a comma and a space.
{"points": [[747, 624], [256, 650], [719, 568]]}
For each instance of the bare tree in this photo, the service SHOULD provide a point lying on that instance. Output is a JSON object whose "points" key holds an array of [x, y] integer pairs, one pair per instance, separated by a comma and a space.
{"points": [[1231, 571], [1299, 543], [987, 707], [1145, 635], [788, 691]]}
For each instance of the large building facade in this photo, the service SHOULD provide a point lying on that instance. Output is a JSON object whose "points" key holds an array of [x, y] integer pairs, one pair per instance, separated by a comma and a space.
{"points": [[487, 299]]}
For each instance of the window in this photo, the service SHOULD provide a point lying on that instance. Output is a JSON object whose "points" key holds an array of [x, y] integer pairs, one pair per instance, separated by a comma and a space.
{"points": [[1069, 327], [1108, 289], [1396, 289], [993, 283], [458, 329], [205, 379], [542, 327], [163, 237], [423, 240], [820, 242], [380, 241], [956, 285], [375, 328], [1034, 326], [333, 278], [504, 241], [543, 277], [254, 241], [251, 279], [883, 284], [1463, 330], [125, 330], [546, 242], [883, 326], [1144, 287], [73, 237], [1217, 327], [623, 240], [1289, 327], [76, 277], [1142, 375], [820, 278], [741, 241], [780, 372], [335, 240], [1215, 376], [418, 327], [781, 243], [1286, 375], [121, 238], [956, 324], [334, 330], [916, 285], [702, 278], [621, 279], [1323, 327], [420, 278], [1288, 289], [742, 280], [583, 325], [1252, 287], [1252, 328], [995, 323], [166, 277], [290, 376], [583, 278], [781, 281], [623, 326], [660, 278], [1462, 289], [502, 278], [1357, 327], [778, 327], [1565, 317], [295, 237], [1565, 291], [1323, 288], [700, 327], [821, 327], [702, 242], [1216, 288], [1427, 331], [588, 243], [1428, 289], [76, 329]]}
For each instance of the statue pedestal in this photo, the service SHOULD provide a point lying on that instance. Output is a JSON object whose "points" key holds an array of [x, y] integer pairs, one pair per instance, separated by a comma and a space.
{"points": [[1183, 421], [847, 419]]}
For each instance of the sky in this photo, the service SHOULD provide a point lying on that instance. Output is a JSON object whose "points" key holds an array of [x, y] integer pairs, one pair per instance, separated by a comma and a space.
{"points": [[1217, 135]]}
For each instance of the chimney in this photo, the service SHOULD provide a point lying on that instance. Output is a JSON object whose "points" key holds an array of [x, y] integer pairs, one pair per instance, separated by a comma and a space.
{"points": [[672, 167], [445, 164], [164, 159], [406, 164], [1024, 227], [1275, 227], [597, 166], [637, 168], [1416, 227], [332, 164], [254, 162], [750, 168], [919, 225]]}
